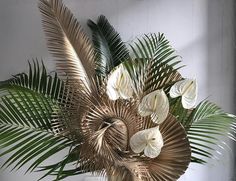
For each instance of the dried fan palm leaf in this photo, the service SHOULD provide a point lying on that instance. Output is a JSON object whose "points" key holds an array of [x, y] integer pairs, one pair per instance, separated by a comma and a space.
{"points": [[125, 121], [176, 153], [107, 129], [172, 162], [113, 119]]}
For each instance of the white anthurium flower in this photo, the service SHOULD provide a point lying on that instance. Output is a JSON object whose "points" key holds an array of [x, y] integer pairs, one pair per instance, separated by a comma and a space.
{"points": [[186, 88], [149, 140], [119, 84], [155, 104]]}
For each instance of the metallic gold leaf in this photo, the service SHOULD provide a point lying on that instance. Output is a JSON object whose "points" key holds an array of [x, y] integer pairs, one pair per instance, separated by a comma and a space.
{"points": [[172, 162], [102, 127], [67, 42]]}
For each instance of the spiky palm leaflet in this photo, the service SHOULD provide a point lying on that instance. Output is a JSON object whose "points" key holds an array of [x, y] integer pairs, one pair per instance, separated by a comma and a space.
{"points": [[31, 104]]}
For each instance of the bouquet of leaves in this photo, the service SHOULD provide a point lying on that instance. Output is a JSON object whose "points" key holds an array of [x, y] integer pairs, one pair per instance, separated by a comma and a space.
{"points": [[119, 111]]}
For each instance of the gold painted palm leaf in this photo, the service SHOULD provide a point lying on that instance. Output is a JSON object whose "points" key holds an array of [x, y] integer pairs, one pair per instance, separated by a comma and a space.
{"points": [[43, 114], [68, 43], [169, 165]]}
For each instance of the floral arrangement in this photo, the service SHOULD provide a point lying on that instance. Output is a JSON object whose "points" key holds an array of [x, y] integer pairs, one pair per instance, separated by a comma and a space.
{"points": [[121, 111]]}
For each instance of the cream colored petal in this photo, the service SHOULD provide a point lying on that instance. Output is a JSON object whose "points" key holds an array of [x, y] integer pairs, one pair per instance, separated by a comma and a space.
{"points": [[111, 88], [156, 104], [126, 93], [138, 142], [126, 89], [155, 143], [148, 103], [161, 114], [188, 103], [119, 84], [114, 77], [112, 93], [189, 97], [151, 152], [176, 89], [155, 138], [162, 109], [149, 140], [144, 109], [188, 90]]}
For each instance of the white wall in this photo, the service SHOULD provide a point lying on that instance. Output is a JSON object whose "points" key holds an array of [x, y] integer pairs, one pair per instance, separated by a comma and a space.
{"points": [[200, 30]]}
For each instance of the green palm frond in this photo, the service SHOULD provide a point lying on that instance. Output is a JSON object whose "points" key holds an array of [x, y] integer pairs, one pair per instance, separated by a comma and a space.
{"points": [[182, 114], [49, 88], [61, 170], [154, 65], [42, 115], [38, 80], [109, 47], [28, 129], [208, 125], [26, 119], [67, 167]]}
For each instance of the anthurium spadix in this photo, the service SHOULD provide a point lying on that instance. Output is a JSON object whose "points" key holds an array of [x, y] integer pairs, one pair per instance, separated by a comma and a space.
{"points": [[149, 140], [155, 104], [186, 88], [119, 84]]}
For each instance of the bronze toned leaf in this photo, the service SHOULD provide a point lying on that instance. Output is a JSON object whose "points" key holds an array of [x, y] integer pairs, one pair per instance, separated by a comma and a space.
{"points": [[67, 42], [107, 128], [175, 155], [115, 120], [172, 162]]}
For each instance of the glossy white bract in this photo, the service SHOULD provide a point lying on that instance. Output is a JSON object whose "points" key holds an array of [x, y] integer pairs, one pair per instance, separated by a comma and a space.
{"points": [[186, 88], [155, 104], [149, 140], [119, 84]]}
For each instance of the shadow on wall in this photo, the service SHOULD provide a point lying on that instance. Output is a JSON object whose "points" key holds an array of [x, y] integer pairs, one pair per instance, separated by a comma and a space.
{"points": [[90, 9], [182, 21], [221, 72]]}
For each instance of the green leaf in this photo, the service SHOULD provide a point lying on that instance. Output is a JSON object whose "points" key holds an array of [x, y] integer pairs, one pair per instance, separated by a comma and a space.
{"points": [[207, 126], [109, 47], [177, 109], [72, 159], [37, 80], [154, 64], [29, 107]]}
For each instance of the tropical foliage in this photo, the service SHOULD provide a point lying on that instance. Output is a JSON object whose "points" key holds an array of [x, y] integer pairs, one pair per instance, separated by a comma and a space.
{"points": [[42, 114]]}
